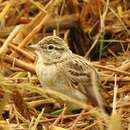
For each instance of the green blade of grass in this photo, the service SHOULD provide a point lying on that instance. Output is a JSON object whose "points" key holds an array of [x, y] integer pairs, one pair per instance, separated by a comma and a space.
{"points": [[101, 39]]}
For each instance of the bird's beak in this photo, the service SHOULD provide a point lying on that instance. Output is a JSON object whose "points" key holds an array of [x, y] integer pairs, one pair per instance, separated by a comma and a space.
{"points": [[33, 47]]}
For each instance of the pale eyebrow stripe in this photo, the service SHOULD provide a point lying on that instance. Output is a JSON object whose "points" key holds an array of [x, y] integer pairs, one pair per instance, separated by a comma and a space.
{"points": [[45, 46], [57, 48]]}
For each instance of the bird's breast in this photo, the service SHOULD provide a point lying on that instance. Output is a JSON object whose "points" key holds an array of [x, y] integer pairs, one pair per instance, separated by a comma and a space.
{"points": [[50, 76]]}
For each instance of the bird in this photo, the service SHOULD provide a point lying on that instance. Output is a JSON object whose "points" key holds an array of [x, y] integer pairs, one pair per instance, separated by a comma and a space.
{"points": [[59, 69]]}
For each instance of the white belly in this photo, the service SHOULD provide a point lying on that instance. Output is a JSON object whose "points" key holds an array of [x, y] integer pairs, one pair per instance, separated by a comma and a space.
{"points": [[51, 77]]}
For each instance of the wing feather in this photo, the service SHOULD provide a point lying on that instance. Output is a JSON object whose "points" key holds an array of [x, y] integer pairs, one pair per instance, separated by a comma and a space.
{"points": [[79, 74]]}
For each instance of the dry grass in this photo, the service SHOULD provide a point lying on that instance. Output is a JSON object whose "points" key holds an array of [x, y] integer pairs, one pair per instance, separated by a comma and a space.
{"points": [[98, 30]]}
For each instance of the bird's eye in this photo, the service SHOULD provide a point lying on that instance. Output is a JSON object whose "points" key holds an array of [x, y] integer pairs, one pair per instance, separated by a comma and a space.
{"points": [[50, 47]]}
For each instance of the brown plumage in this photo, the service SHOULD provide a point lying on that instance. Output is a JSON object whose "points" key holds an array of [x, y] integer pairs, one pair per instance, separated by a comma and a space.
{"points": [[61, 70]]}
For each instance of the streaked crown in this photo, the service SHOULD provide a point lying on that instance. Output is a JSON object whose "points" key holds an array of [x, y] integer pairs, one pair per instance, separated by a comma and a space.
{"points": [[53, 42], [52, 48]]}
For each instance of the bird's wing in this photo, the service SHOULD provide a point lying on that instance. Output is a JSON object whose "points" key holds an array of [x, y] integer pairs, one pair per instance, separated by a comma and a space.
{"points": [[83, 77]]}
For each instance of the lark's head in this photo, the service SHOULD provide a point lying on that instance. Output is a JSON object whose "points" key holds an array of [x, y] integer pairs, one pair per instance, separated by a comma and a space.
{"points": [[51, 49]]}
